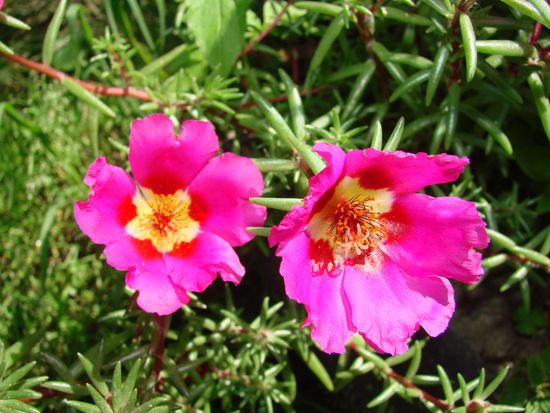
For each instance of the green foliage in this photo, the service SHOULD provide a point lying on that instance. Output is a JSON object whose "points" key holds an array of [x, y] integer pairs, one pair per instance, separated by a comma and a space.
{"points": [[52, 32], [530, 386], [218, 360], [432, 76], [16, 391], [121, 398], [219, 27]]}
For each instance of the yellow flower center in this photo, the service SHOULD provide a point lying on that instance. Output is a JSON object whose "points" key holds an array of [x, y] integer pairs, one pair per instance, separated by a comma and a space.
{"points": [[163, 219]]}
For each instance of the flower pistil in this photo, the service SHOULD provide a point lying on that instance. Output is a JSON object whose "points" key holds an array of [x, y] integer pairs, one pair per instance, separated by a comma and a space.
{"points": [[351, 225], [163, 219], [356, 225]]}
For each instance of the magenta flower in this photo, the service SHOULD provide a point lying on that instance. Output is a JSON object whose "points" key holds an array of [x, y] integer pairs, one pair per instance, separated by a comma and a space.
{"points": [[176, 229], [1, 4], [366, 254]]}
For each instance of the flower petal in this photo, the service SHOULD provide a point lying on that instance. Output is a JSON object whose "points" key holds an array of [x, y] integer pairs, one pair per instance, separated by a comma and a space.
{"points": [[103, 216], [402, 171], [127, 253], [157, 293], [327, 307], [194, 266], [163, 162], [388, 305], [335, 158], [436, 236], [220, 194], [291, 224]]}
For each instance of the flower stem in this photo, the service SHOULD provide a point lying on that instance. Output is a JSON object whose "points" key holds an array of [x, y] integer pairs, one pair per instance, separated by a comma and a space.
{"points": [[157, 346]]}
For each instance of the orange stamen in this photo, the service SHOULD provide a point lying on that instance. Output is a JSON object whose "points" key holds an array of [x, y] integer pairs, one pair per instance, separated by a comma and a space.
{"points": [[356, 227]]}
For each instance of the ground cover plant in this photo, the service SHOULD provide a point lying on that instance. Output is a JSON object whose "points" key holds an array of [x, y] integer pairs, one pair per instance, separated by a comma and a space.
{"points": [[280, 137]]}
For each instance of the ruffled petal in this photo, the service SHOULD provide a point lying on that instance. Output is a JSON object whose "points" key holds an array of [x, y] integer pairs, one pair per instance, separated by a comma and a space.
{"points": [[402, 171], [436, 236], [104, 215], [163, 162], [335, 158], [291, 224], [194, 266], [388, 305], [327, 308], [157, 293], [220, 194]]}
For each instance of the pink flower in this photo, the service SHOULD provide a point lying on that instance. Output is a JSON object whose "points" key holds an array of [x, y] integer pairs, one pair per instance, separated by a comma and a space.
{"points": [[1, 4], [366, 254], [176, 229]]}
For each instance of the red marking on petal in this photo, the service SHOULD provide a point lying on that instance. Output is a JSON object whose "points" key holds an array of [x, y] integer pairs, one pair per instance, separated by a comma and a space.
{"points": [[162, 183], [375, 178], [395, 222], [322, 257], [198, 209], [146, 249], [360, 259], [126, 211], [183, 249], [323, 200]]}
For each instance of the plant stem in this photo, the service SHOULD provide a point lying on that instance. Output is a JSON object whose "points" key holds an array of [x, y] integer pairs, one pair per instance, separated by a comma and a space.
{"points": [[121, 67], [422, 393], [463, 7], [537, 29], [265, 32], [405, 382], [161, 326], [376, 5], [58, 75], [127, 91], [284, 98], [368, 39]]}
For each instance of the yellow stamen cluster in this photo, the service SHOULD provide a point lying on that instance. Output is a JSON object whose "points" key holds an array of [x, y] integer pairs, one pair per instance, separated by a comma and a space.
{"points": [[163, 219], [355, 225]]}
